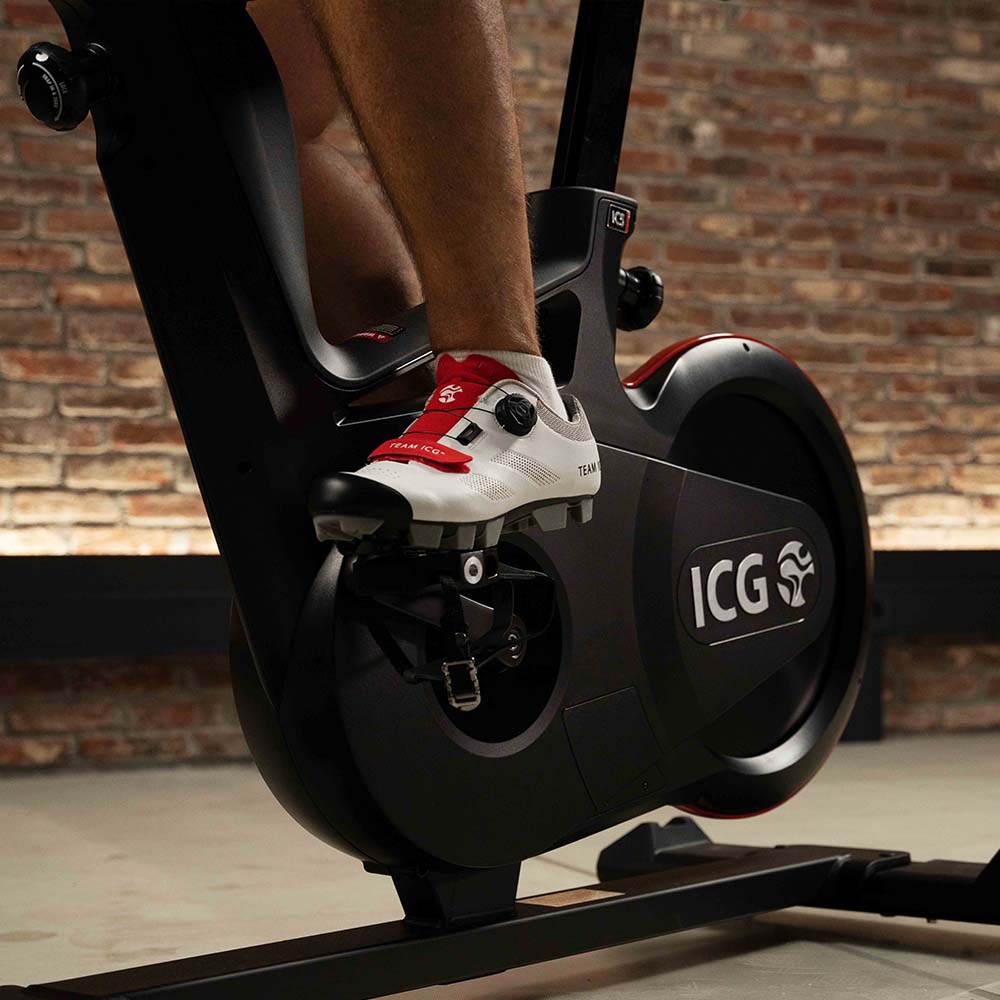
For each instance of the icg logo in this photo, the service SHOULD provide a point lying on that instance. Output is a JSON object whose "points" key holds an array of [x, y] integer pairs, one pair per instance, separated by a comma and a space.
{"points": [[795, 563], [742, 587]]}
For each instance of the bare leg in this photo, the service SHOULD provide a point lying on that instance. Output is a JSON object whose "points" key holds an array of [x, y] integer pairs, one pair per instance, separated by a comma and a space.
{"points": [[430, 87], [359, 267]]}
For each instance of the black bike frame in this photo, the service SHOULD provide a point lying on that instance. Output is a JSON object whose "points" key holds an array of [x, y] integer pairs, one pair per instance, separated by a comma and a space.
{"points": [[206, 193]]}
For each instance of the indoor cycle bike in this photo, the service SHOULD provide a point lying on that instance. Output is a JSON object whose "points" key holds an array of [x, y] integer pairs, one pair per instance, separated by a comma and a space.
{"points": [[443, 713]]}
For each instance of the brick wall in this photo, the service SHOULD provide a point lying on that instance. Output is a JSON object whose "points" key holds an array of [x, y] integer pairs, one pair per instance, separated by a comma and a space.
{"points": [[823, 174]]}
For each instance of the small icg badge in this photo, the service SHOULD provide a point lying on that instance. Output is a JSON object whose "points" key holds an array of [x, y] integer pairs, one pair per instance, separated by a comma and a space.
{"points": [[620, 218]]}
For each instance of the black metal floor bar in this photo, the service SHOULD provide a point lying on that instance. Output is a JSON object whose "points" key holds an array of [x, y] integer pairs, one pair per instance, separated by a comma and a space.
{"points": [[700, 883]]}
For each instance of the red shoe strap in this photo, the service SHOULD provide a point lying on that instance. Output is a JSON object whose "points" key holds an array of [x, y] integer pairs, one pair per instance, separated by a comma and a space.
{"points": [[410, 448]]}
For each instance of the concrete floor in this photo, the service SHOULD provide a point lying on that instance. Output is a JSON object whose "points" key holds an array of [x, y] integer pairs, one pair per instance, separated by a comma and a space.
{"points": [[99, 871]]}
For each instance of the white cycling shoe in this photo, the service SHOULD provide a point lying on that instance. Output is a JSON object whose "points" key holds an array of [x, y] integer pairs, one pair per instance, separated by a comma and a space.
{"points": [[487, 455]]}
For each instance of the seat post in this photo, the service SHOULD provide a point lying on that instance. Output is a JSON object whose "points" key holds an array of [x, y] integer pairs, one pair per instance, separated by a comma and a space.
{"points": [[597, 94]]}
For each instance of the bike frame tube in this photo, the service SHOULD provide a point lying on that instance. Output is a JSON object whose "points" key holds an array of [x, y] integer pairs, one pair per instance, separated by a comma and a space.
{"points": [[597, 94]]}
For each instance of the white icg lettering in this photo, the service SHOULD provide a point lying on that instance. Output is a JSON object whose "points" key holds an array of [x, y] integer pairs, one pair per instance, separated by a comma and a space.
{"points": [[751, 591]]}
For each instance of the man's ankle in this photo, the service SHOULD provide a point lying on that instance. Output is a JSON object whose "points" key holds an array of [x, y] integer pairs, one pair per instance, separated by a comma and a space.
{"points": [[532, 369]]}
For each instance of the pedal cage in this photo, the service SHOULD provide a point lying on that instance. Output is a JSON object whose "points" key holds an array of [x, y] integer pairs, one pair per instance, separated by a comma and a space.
{"points": [[432, 589]]}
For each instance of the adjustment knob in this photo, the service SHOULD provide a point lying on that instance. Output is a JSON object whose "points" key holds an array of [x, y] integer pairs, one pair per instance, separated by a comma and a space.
{"points": [[59, 87], [640, 298]]}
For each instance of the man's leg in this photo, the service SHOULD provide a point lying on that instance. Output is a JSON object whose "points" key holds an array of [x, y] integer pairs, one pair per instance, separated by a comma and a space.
{"points": [[430, 87], [359, 267]]}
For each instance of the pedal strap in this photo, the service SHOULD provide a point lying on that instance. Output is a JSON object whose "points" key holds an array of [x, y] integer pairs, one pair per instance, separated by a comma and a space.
{"points": [[413, 448]]}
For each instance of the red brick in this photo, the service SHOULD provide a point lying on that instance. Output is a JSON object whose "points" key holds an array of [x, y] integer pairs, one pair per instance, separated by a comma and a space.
{"points": [[808, 173], [117, 472], [910, 295], [979, 11], [924, 149], [891, 416], [681, 253], [907, 65], [799, 114], [173, 714], [906, 8], [823, 233], [859, 206], [773, 80], [863, 30], [933, 446], [888, 479], [166, 509], [723, 287], [134, 749], [645, 161], [771, 200], [771, 22], [93, 294], [790, 261], [109, 331], [846, 385], [758, 141], [928, 388], [855, 325], [109, 401], [107, 258], [728, 166], [976, 479], [972, 419], [116, 677], [51, 366], [31, 14], [68, 717], [898, 266], [939, 210], [20, 471], [848, 145], [912, 718], [64, 507], [768, 319], [940, 94], [940, 328], [39, 189], [147, 435], [673, 72], [39, 257], [138, 370], [727, 226], [221, 745], [905, 178], [971, 718], [30, 328], [33, 753], [975, 183], [955, 268], [77, 222], [19, 291], [681, 193], [25, 400], [57, 151], [811, 353], [829, 290]]}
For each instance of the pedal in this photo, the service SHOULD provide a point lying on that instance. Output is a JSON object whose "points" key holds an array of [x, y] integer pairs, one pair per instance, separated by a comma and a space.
{"points": [[461, 684], [464, 602]]}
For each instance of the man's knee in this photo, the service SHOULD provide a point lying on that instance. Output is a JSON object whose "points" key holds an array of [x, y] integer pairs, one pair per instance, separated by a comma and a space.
{"points": [[307, 78]]}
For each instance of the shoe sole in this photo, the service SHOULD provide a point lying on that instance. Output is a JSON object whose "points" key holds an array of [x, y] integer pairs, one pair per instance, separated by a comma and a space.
{"points": [[551, 515]]}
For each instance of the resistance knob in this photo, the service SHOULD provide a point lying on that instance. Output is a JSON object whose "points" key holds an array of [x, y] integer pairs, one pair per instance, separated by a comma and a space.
{"points": [[640, 298], [59, 87]]}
